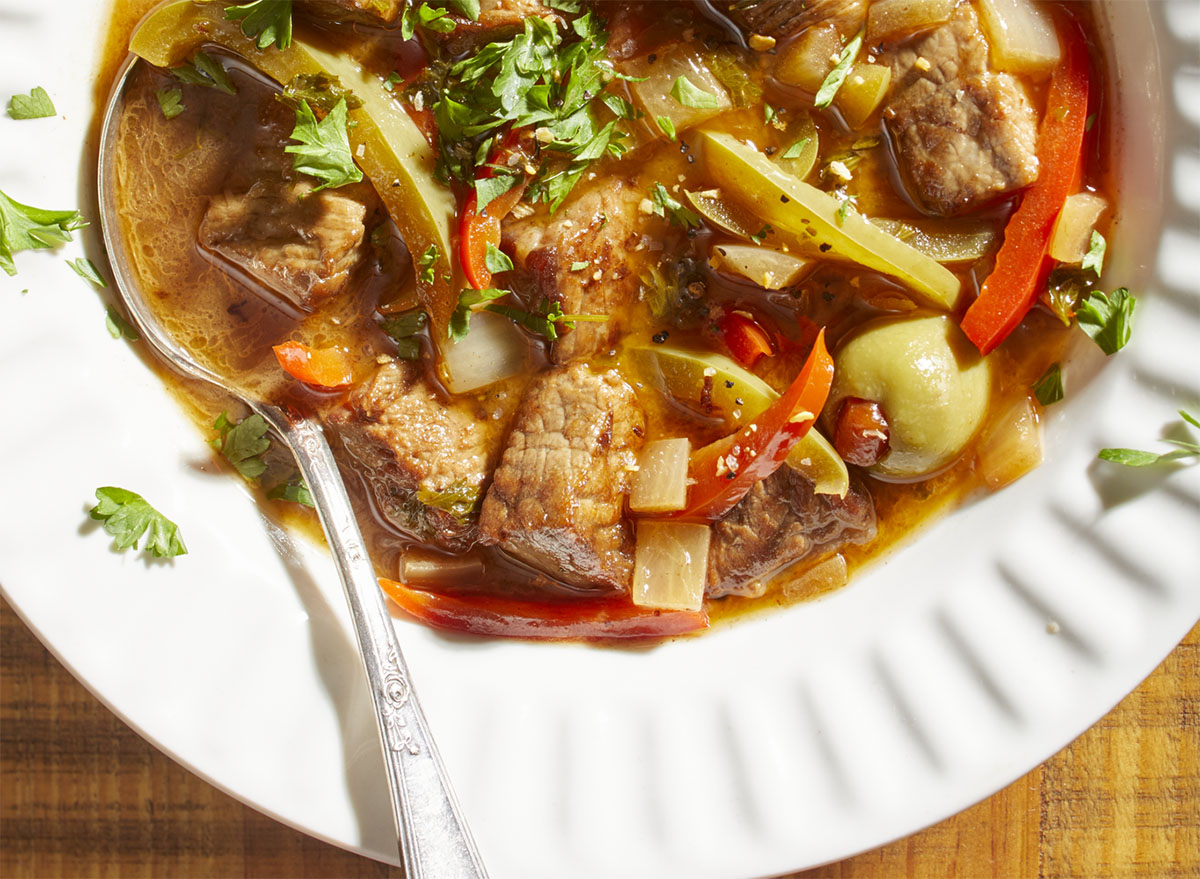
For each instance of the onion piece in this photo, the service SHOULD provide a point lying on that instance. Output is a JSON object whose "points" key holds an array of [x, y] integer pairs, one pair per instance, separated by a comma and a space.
{"points": [[493, 350], [670, 564], [1011, 445], [824, 576], [1073, 229], [768, 268], [422, 566], [946, 241], [1022, 36], [892, 19], [725, 214], [807, 60], [660, 484], [862, 92], [653, 94]]}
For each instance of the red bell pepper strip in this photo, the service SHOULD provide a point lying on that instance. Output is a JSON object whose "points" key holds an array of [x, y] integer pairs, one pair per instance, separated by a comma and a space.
{"points": [[745, 338], [592, 619], [728, 468], [477, 230], [1022, 263], [325, 368]]}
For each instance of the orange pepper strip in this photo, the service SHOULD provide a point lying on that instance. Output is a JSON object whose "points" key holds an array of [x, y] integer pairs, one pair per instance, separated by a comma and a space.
{"points": [[325, 368], [1022, 264]]}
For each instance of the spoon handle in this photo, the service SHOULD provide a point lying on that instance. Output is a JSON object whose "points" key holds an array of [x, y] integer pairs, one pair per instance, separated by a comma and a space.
{"points": [[433, 838]]}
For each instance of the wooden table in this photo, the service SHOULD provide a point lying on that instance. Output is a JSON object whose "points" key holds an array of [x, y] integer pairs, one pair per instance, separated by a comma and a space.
{"points": [[82, 795]]}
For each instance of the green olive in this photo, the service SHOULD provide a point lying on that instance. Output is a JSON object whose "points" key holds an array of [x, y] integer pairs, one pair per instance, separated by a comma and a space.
{"points": [[930, 382]]}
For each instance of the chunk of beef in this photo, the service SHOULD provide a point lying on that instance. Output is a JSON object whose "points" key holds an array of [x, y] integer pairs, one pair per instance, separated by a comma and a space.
{"points": [[498, 20], [964, 135], [782, 18], [426, 461], [603, 232], [557, 499], [303, 245], [778, 522], [379, 12]]}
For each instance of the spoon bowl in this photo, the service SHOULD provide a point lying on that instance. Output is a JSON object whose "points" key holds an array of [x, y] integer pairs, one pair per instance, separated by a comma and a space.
{"points": [[432, 835]]}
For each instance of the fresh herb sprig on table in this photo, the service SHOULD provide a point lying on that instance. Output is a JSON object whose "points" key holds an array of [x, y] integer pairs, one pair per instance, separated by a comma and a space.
{"points": [[127, 516], [545, 78], [1139, 458]]}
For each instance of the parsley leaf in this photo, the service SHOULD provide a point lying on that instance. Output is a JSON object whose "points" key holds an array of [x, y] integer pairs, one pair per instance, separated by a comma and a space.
{"points": [[1138, 458], [170, 101], [323, 150], [206, 71], [460, 320], [796, 150], [580, 265], [242, 443], [268, 20], [127, 516], [1107, 319], [837, 76], [690, 95], [1094, 258], [666, 206], [426, 263], [488, 188], [35, 105], [427, 17], [117, 325], [403, 328], [667, 126], [321, 90], [1049, 388], [497, 260], [86, 270], [23, 227], [459, 499], [294, 490], [468, 9]]}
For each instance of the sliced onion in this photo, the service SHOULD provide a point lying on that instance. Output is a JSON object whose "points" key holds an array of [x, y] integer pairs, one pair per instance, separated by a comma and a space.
{"points": [[1073, 229], [799, 155], [660, 484], [945, 241], [494, 349], [822, 577], [768, 268], [892, 19], [653, 94], [670, 564], [1022, 36], [1011, 445]]}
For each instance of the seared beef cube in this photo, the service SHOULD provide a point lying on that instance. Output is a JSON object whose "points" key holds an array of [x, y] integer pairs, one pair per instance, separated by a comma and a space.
{"points": [[778, 522], [300, 244], [610, 241], [782, 18], [498, 20], [964, 135], [379, 12], [557, 498], [425, 460]]}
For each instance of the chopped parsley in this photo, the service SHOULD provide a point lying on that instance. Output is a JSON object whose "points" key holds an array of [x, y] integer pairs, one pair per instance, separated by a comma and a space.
{"points": [[170, 101], [128, 516], [242, 443], [425, 16], [86, 270], [488, 188], [294, 490], [666, 206], [666, 125], [1138, 458], [321, 90], [497, 260], [1094, 258], [1106, 319], [206, 71], [837, 76], [797, 149], [35, 105], [580, 265], [117, 326], [403, 328], [1049, 388], [468, 300], [23, 227], [459, 499], [426, 264], [323, 150], [543, 321], [270, 21], [690, 95]]}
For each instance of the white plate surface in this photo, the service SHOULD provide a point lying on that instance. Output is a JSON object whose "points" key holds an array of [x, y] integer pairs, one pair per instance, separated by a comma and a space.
{"points": [[774, 744]]}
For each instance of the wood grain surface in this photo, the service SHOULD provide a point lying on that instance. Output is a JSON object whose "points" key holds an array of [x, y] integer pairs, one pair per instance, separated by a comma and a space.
{"points": [[82, 795]]}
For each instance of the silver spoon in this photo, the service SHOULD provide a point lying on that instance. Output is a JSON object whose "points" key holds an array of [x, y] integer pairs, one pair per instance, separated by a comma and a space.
{"points": [[432, 836]]}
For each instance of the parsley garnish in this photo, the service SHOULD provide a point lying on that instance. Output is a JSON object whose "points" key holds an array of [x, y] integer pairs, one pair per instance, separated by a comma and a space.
{"points": [[666, 206], [1094, 258], [35, 105], [86, 270], [796, 150], [170, 101], [459, 499], [460, 320], [427, 262], [1138, 458], [543, 321], [488, 188], [427, 17], [769, 113], [580, 265], [497, 260], [294, 490], [690, 95], [117, 326], [837, 76], [1049, 388], [268, 20], [403, 329], [28, 228], [667, 126], [323, 150], [1107, 319], [242, 443], [206, 71], [127, 516], [321, 90]]}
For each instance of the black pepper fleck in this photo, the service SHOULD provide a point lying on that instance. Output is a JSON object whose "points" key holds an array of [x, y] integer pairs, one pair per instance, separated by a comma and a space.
{"points": [[660, 337], [728, 383], [784, 199], [770, 151], [652, 58], [825, 248]]}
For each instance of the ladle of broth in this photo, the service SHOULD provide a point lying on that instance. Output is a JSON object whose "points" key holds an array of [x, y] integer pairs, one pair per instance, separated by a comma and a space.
{"points": [[433, 838]]}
